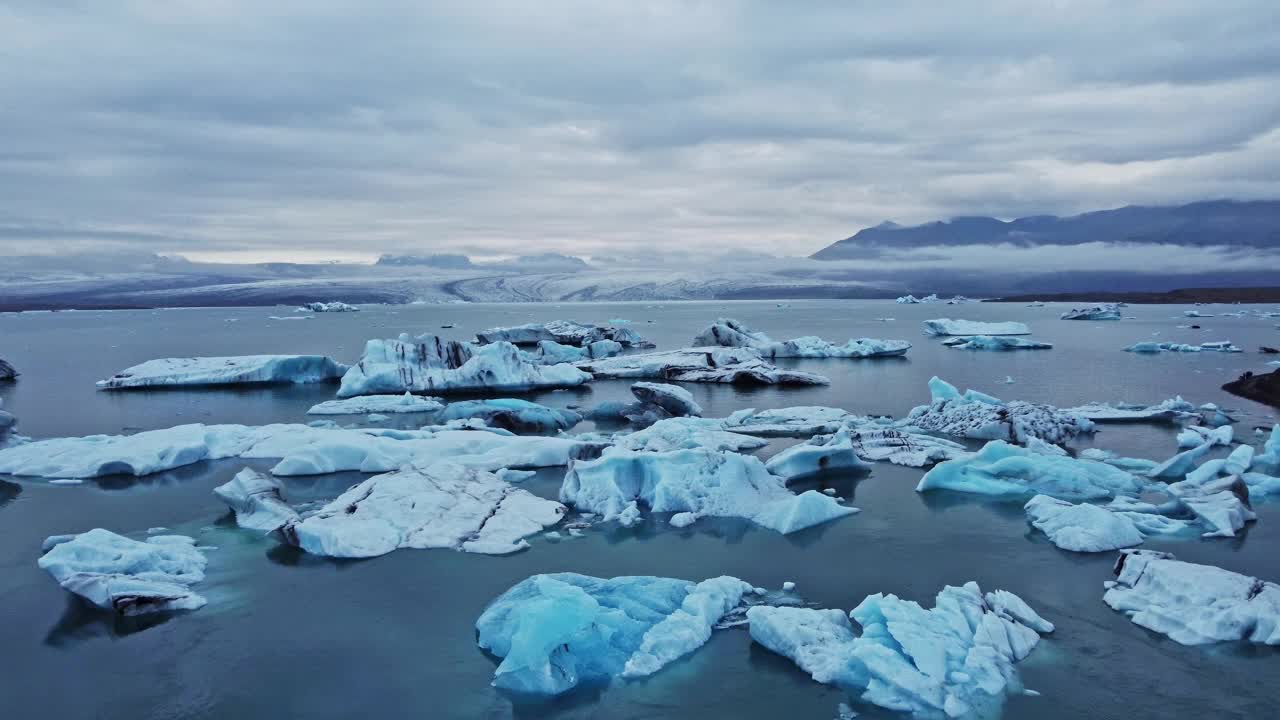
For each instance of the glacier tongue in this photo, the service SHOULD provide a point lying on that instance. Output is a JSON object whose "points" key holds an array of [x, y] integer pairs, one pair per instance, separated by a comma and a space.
{"points": [[237, 370], [127, 576]]}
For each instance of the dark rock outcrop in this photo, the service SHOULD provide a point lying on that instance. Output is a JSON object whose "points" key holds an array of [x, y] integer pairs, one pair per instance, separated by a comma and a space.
{"points": [[1264, 388]]}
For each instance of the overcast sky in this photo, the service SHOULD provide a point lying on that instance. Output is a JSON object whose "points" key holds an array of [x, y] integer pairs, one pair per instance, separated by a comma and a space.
{"points": [[291, 130]]}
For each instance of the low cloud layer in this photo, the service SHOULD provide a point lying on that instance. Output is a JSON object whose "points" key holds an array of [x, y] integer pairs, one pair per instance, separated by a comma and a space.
{"points": [[228, 129]]}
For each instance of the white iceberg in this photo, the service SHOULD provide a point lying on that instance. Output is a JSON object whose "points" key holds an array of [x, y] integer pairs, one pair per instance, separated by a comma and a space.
{"points": [[798, 421], [947, 326], [1159, 347], [127, 576], [1171, 410], [731, 333], [1097, 312], [995, 342], [564, 332], [257, 501], [871, 442], [1004, 470], [511, 414], [329, 307], [239, 370], [820, 454], [1196, 435], [1081, 527], [557, 631], [686, 434], [703, 482], [386, 404], [954, 660], [673, 399], [741, 366], [980, 416], [430, 364], [550, 352], [1194, 604]]}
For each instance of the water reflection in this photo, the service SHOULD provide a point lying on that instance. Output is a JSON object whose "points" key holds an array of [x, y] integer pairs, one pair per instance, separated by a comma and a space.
{"points": [[8, 492], [82, 621]]}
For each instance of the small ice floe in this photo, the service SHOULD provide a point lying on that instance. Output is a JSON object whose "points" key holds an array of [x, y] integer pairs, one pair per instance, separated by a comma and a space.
{"points": [[731, 333], [127, 576], [1005, 470], [947, 326], [328, 307], [1097, 312], [737, 366], [549, 352], [564, 332], [1092, 528], [1171, 410], [1159, 347], [687, 434], [1194, 604], [995, 342], [821, 454], [240, 370], [386, 404], [952, 660], [511, 414], [654, 402], [554, 632], [979, 416]]}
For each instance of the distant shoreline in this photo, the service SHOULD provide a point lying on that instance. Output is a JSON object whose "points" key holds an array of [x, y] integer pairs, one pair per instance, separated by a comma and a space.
{"points": [[1168, 297]]}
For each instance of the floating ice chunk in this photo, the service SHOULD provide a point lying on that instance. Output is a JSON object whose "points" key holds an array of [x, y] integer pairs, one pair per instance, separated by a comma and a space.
{"points": [[1083, 527], [430, 364], [128, 576], [982, 417], [673, 399], [241, 370], [1159, 347], [329, 307], [684, 519], [1179, 465], [1197, 435], [687, 433], [1097, 312], [822, 453], [705, 482], [564, 332], [995, 342], [1221, 504], [1001, 469], [7, 373], [949, 661], [800, 421], [514, 415], [391, 404], [7, 422], [442, 505], [1268, 461], [551, 353], [557, 631], [731, 333], [257, 502], [1195, 314], [1239, 460], [902, 448], [1194, 604], [947, 326], [1170, 410], [740, 366]]}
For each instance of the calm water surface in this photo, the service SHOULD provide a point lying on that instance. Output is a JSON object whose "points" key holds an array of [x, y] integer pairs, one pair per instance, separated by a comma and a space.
{"points": [[287, 635]]}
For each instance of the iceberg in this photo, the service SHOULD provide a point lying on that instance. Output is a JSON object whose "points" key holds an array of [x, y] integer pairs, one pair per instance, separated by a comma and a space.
{"points": [[257, 501], [303, 450], [731, 333], [442, 505], [551, 352], [564, 332], [954, 660], [700, 481], [1193, 604], [511, 414], [7, 422], [1269, 459], [1171, 410], [555, 632], [980, 416], [674, 400], [1004, 470], [241, 370], [995, 342], [329, 307], [740, 366], [7, 373], [1193, 436], [1097, 312], [686, 434], [902, 448], [130, 577], [947, 326], [1159, 347], [1082, 527], [386, 404], [799, 421], [430, 364], [821, 454]]}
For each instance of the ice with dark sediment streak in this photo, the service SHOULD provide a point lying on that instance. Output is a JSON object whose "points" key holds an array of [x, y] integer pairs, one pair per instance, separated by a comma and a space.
{"points": [[1005, 470], [954, 660], [995, 342], [558, 631], [739, 366], [1171, 410], [1097, 312], [707, 483], [430, 364], [236, 370], [564, 332], [520, 416], [798, 421], [302, 450], [820, 454], [980, 416], [131, 577], [1193, 604], [386, 404], [947, 326], [731, 333]]}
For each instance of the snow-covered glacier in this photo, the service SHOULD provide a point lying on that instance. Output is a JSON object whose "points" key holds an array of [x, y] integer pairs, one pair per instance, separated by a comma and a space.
{"points": [[954, 660], [979, 416], [556, 632], [731, 333], [947, 326], [431, 364], [128, 576], [739, 366], [237, 370]]}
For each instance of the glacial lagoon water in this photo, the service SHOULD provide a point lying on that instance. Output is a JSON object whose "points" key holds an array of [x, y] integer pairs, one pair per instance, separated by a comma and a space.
{"points": [[290, 635]]}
